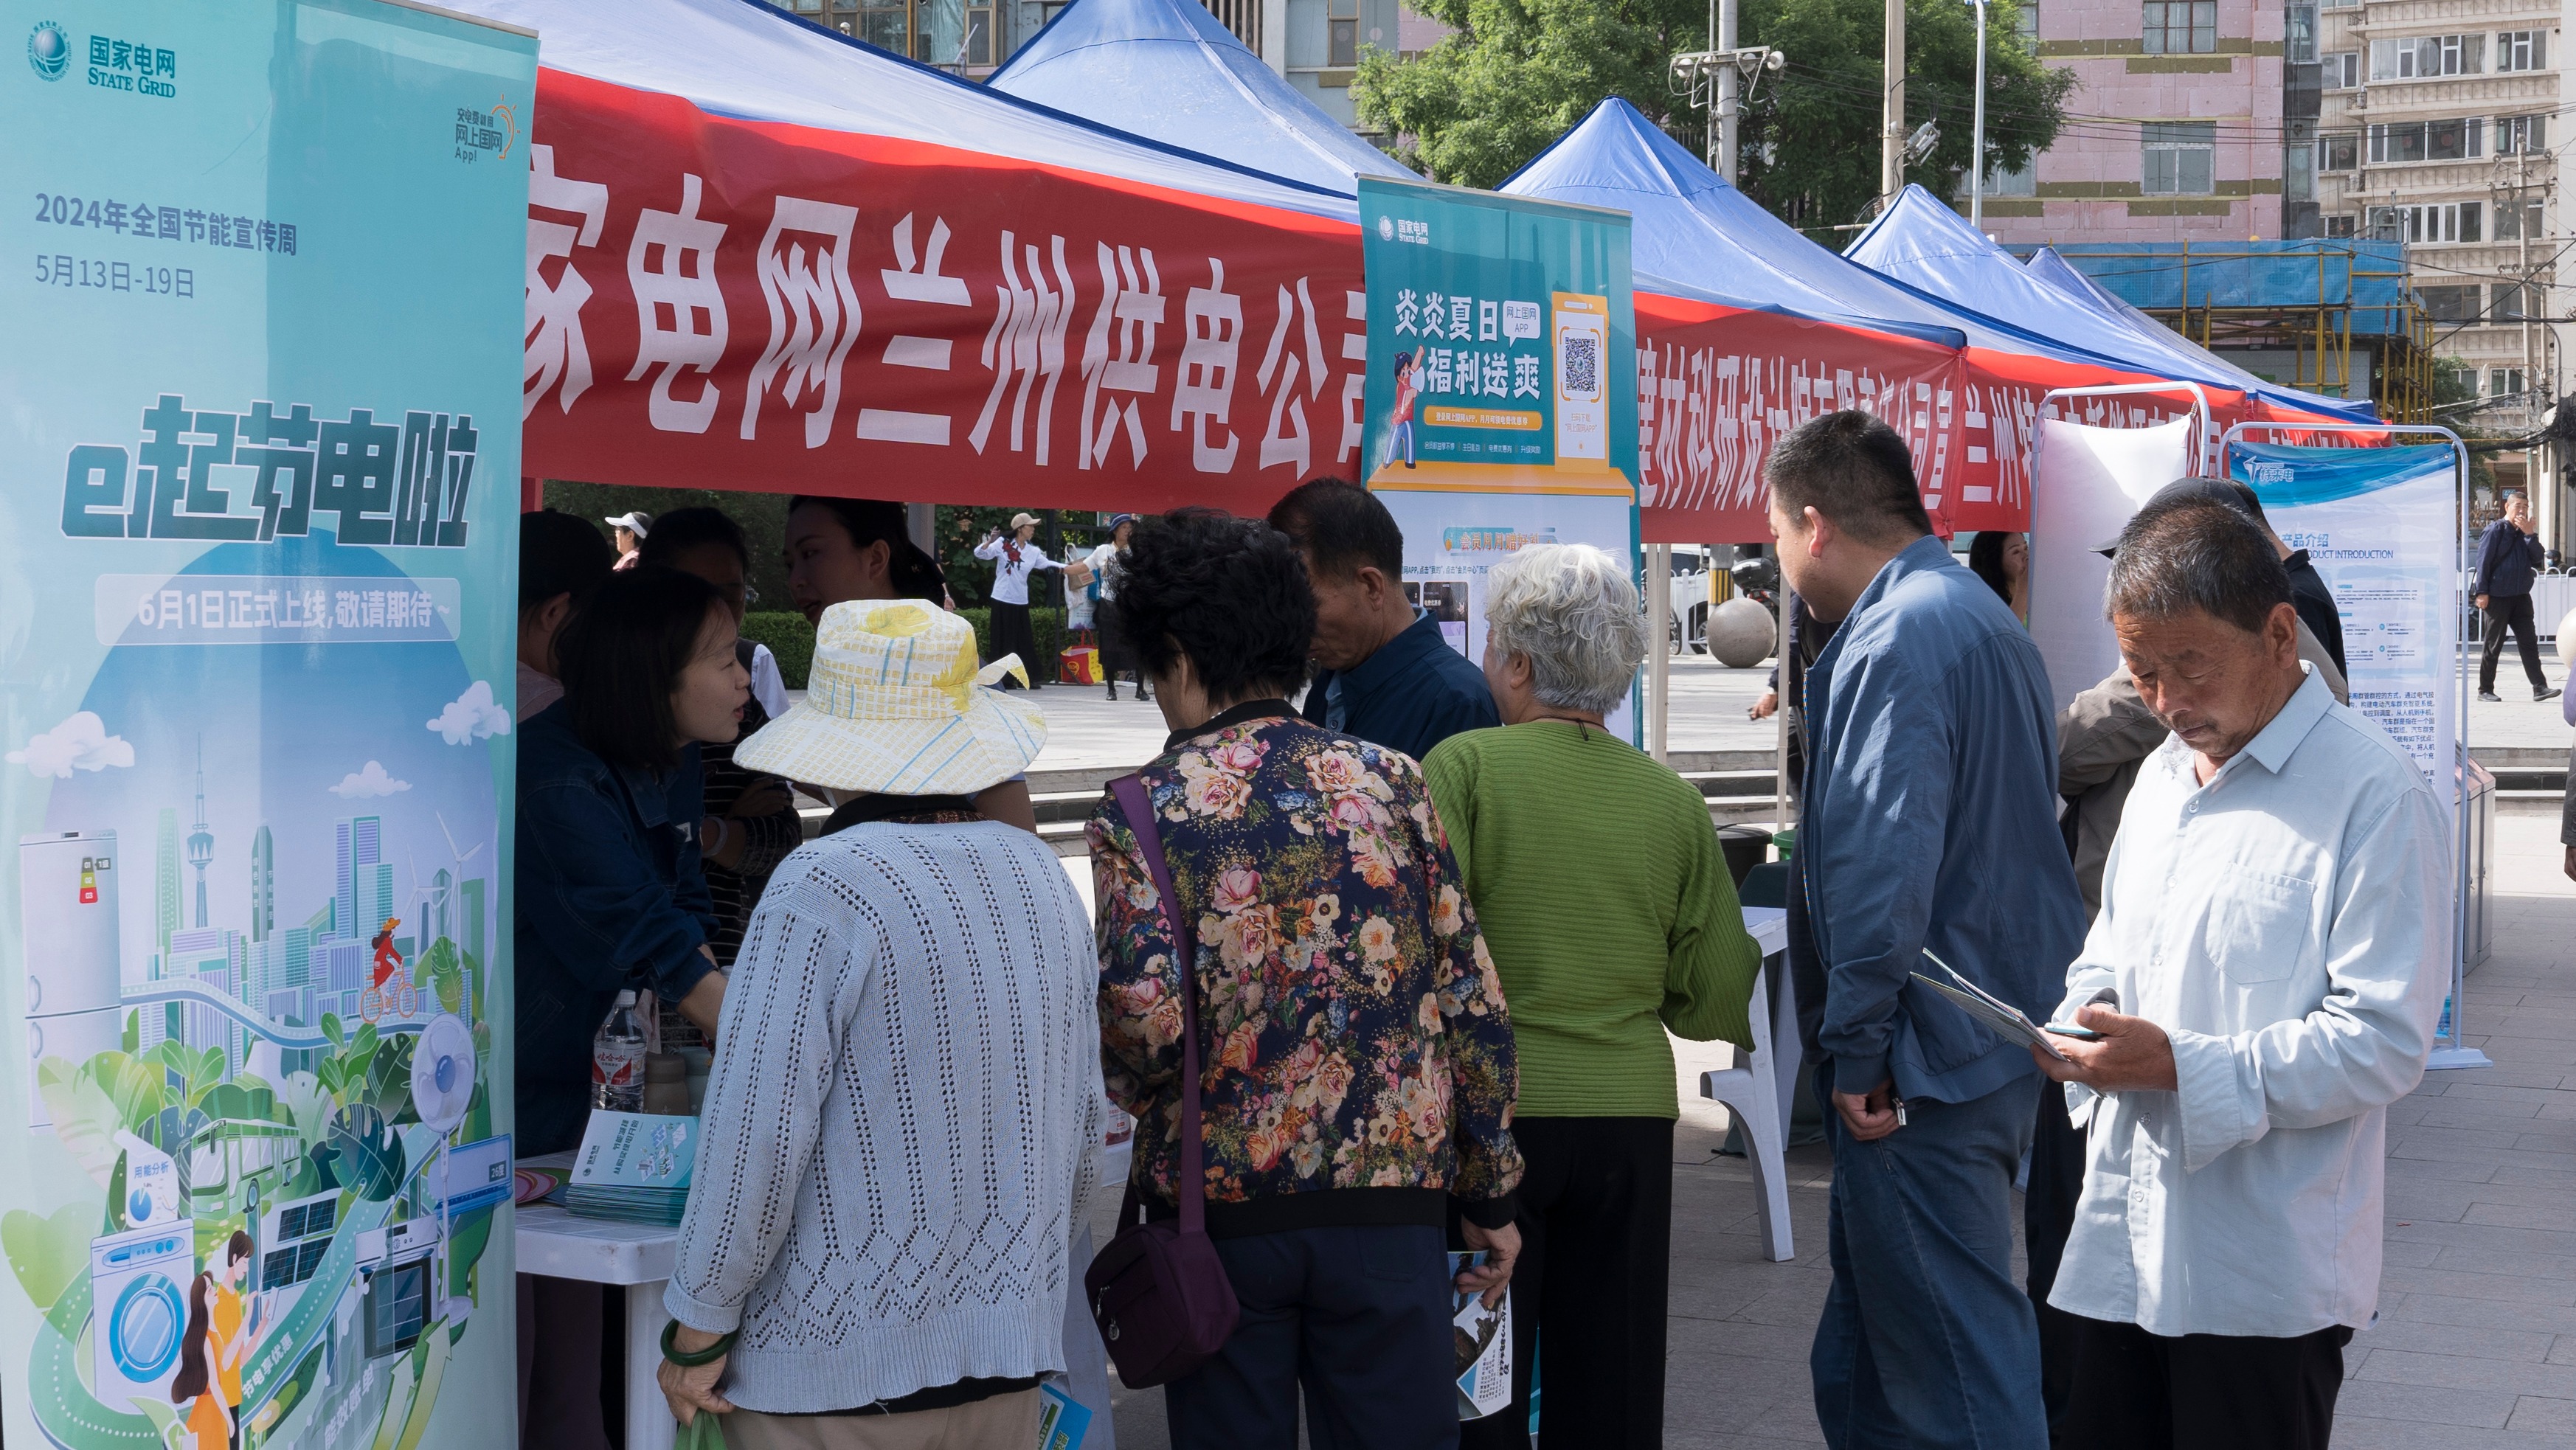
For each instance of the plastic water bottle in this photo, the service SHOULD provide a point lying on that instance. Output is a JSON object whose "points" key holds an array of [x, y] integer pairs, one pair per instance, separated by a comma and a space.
{"points": [[617, 1060]]}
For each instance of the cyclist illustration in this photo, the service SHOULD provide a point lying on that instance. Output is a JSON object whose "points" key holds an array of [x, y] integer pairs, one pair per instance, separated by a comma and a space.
{"points": [[389, 961]]}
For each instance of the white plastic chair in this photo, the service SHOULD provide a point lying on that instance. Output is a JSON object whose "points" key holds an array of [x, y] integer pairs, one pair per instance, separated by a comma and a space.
{"points": [[1758, 1091]]}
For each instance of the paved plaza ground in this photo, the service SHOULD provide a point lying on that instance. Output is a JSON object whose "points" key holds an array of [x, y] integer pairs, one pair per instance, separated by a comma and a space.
{"points": [[1088, 731]]}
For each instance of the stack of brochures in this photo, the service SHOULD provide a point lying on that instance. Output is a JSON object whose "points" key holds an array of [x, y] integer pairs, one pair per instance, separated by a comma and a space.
{"points": [[634, 1167]]}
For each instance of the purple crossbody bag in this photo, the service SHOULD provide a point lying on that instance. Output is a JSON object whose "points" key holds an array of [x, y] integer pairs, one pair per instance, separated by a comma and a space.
{"points": [[1158, 1290]]}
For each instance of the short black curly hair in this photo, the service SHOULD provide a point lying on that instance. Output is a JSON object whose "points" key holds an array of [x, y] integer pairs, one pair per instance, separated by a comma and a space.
{"points": [[1230, 593]]}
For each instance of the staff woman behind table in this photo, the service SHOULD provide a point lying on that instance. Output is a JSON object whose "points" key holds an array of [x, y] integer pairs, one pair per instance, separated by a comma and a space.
{"points": [[1015, 558], [1607, 906], [611, 891], [2002, 559], [1116, 654], [751, 822], [900, 1135], [844, 549]]}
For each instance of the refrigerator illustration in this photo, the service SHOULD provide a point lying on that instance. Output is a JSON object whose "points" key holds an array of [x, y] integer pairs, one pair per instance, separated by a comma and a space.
{"points": [[67, 915]]}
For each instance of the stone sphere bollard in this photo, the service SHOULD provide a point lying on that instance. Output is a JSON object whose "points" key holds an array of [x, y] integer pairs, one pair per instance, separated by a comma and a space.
{"points": [[1740, 633]]}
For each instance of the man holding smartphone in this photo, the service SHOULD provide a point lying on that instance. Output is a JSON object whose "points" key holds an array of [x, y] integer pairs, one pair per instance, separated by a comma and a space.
{"points": [[2274, 921]]}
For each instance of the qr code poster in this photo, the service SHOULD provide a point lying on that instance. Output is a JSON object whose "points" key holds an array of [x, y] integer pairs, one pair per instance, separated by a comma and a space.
{"points": [[1582, 411], [1502, 338]]}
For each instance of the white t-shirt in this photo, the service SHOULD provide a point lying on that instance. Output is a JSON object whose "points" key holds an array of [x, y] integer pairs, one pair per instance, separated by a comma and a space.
{"points": [[767, 685], [1011, 578]]}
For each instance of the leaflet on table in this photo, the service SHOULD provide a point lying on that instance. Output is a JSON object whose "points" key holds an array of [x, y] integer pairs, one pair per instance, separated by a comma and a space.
{"points": [[1484, 1342], [636, 1150]]}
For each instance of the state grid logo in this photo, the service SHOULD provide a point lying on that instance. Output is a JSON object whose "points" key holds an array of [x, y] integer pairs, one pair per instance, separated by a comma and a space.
{"points": [[49, 51]]}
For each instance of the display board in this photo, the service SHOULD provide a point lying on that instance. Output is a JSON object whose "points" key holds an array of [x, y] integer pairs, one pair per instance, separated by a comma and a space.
{"points": [[1499, 411], [2381, 526], [257, 625], [2085, 483]]}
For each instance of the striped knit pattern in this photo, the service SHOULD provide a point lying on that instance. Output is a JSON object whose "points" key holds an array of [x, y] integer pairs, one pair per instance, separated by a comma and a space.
{"points": [[1607, 906]]}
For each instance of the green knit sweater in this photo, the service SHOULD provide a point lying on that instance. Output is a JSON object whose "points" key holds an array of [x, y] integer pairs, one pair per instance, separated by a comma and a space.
{"points": [[1596, 877]]}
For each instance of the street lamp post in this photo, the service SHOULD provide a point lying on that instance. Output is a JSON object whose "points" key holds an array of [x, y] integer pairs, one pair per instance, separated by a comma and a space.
{"points": [[1977, 142]]}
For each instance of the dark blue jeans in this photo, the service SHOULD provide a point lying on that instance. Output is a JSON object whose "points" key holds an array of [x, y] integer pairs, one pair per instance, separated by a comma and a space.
{"points": [[1359, 1317], [1926, 1342]]}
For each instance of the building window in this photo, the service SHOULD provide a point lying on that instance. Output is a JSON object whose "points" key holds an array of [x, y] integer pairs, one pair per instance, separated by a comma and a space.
{"points": [[2299, 35], [2503, 382], [2022, 180], [2521, 133], [2298, 173], [2181, 157], [2456, 221], [1343, 20], [2405, 141], [2339, 152], [2515, 303], [2513, 222], [2426, 57], [2522, 50], [2026, 25], [2342, 70], [2450, 304], [2339, 4], [2181, 27], [2339, 226]]}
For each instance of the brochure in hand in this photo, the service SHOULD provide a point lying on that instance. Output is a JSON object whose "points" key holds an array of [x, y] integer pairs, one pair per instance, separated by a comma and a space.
{"points": [[1986, 1007], [1484, 1341], [634, 1167], [1063, 1422]]}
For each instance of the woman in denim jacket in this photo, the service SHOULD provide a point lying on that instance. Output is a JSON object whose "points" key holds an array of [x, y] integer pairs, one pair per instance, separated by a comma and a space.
{"points": [[611, 891]]}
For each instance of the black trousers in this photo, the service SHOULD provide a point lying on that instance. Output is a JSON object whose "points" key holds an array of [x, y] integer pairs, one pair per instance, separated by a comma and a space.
{"points": [[1354, 1319], [2047, 1216], [2511, 611], [1013, 636], [1588, 1296], [2141, 1391]]}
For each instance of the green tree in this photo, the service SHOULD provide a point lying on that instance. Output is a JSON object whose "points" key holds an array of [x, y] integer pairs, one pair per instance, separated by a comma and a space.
{"points": [[1811, 142], [1517, 74], [1520, 73]]}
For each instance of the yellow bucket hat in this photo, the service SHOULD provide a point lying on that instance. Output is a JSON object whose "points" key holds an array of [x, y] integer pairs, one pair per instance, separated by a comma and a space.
{"points": [[895, 705]]}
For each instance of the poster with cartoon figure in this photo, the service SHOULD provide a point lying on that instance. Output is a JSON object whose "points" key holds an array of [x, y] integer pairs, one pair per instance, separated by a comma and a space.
{"points": [[258, 513]]}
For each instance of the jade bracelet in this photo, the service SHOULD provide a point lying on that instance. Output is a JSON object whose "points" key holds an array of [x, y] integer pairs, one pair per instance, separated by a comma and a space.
{"points": [[697, 1358]]}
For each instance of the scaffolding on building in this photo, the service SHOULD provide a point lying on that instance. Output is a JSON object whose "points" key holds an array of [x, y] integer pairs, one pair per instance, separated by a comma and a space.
{"points": [[2335, 315]]}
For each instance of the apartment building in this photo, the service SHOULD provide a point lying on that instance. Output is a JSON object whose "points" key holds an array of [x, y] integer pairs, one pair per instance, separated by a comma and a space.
{"points": [[2175, 130], [2437, 128]]}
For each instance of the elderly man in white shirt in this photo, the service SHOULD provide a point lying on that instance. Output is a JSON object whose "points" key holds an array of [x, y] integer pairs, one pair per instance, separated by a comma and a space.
{"points": [[2276, 915]]}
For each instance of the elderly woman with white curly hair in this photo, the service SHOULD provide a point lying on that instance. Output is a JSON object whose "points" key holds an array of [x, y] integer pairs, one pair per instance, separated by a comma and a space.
{"points": [[1611, 918]]}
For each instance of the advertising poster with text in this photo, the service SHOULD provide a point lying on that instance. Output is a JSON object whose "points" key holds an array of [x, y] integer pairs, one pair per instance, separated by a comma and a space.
{"points": [[1500, 405], [2380, 524], [257, 621]]}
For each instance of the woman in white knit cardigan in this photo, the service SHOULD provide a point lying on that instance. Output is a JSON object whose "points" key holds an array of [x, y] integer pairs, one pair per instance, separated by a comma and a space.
{"points": [[906, 1099]]}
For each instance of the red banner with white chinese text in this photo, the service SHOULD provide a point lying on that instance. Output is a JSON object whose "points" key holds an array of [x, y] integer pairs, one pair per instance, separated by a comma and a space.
{"points": [[716, 303]]}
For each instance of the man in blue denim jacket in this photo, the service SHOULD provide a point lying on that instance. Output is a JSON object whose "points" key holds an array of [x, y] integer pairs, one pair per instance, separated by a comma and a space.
{"points": [[1930, 823]]}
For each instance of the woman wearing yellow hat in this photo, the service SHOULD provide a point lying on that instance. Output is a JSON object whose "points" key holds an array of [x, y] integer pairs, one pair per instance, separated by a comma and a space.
{"points": [[912, 1060]]}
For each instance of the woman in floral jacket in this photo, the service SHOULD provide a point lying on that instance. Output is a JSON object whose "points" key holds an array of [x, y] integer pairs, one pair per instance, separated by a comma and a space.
{"points": [[1359, 1072]]}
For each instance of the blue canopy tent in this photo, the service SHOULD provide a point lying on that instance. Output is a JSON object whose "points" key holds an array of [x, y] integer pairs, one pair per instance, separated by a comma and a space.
{"points": [[1931, 251], [2057, 272], [1167, 71]]}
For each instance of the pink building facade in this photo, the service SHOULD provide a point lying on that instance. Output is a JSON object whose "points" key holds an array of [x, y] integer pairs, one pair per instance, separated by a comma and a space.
{"points": [[2174, 132]]}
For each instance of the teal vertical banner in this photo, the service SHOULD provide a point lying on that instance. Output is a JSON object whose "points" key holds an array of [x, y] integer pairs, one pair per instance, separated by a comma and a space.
{"points": [[1502, 386], [1503, 339], [257, 630]]}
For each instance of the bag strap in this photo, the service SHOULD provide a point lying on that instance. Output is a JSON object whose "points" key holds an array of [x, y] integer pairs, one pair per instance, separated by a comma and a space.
{"points": [[1129, 792]]}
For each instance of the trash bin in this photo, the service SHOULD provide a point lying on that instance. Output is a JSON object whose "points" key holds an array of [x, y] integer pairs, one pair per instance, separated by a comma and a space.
{"points": [[1745, 846]]}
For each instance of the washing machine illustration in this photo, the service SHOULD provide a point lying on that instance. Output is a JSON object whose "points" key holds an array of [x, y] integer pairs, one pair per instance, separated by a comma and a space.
{"points": [[138, 1283]]}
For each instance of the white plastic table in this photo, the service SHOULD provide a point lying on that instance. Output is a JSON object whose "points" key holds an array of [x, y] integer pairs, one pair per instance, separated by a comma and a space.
{"points": [[633, 1256]]}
